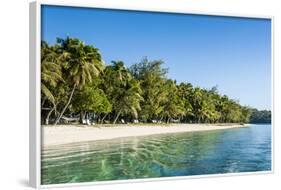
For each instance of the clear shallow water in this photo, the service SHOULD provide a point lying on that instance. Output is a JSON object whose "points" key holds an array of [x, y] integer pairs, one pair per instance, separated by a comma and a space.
{"points": [[179, 154]]}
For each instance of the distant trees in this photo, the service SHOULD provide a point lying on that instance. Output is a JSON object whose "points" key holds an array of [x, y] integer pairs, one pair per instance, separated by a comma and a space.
{"points": [[262, 116], [76, 82]]}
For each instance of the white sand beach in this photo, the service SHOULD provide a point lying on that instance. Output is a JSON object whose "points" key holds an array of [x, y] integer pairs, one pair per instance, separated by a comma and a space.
{"points": [[63, 134]]}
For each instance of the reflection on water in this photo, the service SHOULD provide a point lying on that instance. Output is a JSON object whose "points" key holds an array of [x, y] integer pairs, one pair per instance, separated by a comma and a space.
{"points": [[181, 154]]}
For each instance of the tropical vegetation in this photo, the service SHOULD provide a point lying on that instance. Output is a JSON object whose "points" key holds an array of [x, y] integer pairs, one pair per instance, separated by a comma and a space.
{"points": [[260, 116], [76, 85]]}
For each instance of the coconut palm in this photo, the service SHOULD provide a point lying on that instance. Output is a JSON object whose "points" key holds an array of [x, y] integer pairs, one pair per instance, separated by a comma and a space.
{"points": [[123, 90], [127, 100], [184, 93], [50, 71], [73, 79], [80, 63], [51, 75], [152, 78], [173, 106]]}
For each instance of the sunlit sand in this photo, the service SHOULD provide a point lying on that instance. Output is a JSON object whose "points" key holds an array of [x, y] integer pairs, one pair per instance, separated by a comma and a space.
{"points": [[64, 134]]}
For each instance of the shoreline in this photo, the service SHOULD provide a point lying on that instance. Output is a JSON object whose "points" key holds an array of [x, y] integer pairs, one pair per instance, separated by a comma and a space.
{"points": [[65, 134]]}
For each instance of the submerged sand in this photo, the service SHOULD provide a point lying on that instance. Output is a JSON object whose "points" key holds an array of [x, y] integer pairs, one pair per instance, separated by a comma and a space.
{"points": [[64, 134]]}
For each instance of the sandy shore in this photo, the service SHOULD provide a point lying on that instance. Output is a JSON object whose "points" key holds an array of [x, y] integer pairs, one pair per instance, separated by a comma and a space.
{"points": [[56, 135]]}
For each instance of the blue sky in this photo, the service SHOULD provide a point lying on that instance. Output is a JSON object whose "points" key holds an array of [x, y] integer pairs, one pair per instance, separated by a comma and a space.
{"points": [[233, 53]]}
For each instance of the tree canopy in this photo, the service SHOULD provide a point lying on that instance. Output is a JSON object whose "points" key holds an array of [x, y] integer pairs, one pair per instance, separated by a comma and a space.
{"points": [[75, 81], [260, 116]]}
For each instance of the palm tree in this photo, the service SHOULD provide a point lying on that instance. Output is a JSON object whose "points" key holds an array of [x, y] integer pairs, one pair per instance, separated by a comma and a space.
{"points": [[128, 100], [123, 90], [80, 63], [51, 75], [173, 107], [50, 71], [152, 77], [122, 75], [184, 93], [196, 102]]}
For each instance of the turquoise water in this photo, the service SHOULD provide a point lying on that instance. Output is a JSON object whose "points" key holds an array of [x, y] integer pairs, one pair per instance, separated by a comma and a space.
{"points": [[180, 154]]}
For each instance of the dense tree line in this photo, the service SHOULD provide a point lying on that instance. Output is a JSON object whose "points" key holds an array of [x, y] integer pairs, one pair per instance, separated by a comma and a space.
{"points": [[262, 116], [76, 83]]}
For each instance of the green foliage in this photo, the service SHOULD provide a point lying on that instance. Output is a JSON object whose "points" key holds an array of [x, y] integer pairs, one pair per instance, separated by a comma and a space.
{"points": [[173, 107], [75, 80], [72, 62], [152, 78], [123, 90], [51, 73], [80, 62], [263, 116], [90, 99]]}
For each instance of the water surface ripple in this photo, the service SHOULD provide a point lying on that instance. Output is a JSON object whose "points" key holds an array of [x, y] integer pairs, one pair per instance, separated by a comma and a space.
{"points": [[179, 154]]}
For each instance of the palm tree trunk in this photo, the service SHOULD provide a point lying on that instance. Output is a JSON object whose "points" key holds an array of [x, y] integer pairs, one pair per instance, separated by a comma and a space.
{"points": [[103, 118], [161, 118], [82, 116], [48, 116], [66, 106], [116, 117], [43, 101], [168, 120]]}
